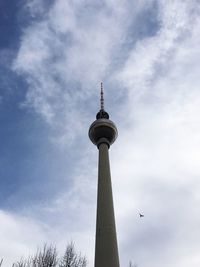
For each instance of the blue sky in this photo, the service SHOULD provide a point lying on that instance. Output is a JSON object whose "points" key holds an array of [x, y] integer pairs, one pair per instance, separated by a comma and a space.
{"points": [[53, 56]]}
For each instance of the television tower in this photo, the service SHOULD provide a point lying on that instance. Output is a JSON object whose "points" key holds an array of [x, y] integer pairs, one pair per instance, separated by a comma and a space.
{"points": [[103, 133]]}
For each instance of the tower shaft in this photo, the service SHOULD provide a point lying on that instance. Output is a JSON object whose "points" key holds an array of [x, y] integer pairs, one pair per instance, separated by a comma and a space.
{"points": [[106, 250]]}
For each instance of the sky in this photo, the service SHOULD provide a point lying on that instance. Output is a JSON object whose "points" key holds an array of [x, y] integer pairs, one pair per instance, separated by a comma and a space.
{"points": [[53, 57]]}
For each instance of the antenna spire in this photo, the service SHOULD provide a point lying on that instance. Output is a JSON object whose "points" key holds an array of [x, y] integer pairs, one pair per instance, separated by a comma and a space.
{"points": [[102, 114], [102, 99]]}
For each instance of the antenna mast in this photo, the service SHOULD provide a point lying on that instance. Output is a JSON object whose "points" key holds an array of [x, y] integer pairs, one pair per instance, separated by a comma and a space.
{"points": [[102, 99]]}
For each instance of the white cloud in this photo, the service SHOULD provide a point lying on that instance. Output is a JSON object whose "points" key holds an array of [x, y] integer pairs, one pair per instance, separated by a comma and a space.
{"points": [[20, 236], [161, 149], [66, 55]]}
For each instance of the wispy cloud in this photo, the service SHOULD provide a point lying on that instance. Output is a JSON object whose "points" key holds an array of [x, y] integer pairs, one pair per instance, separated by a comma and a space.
{"points": [[162, 169]]}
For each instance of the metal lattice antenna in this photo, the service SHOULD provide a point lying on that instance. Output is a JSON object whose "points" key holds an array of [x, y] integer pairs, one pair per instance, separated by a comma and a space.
{"points": [[102, 114], [102, 99]]}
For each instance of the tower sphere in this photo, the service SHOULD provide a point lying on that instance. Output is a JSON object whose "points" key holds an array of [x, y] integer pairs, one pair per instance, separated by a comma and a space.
{"points": [[103, 130]]}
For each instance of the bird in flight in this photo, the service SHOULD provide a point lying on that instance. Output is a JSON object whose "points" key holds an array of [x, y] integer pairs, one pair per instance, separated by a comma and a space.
{"points": [[141, 215]]}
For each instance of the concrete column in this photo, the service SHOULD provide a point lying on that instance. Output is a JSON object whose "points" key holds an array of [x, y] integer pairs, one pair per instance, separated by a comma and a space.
{"points": [[106, 250]]}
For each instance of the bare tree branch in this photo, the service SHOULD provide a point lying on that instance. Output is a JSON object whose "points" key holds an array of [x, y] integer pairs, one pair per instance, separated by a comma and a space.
{"points": [[48, 257], [72, 259]]}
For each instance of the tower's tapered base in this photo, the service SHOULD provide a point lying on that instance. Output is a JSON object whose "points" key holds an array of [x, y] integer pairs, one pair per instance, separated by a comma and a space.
{"points": [[106, 250]]}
